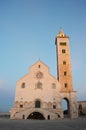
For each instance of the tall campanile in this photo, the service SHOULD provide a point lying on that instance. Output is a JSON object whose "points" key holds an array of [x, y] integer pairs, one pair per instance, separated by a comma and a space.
{"points": [[64, 70]]}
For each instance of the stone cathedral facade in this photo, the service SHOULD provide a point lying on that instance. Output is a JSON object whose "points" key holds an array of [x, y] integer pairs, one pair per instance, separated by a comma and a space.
{"points": [[39, 94]]}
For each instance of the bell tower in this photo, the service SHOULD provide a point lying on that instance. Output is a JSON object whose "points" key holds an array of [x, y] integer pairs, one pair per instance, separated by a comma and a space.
{"points": [[64, 70]]}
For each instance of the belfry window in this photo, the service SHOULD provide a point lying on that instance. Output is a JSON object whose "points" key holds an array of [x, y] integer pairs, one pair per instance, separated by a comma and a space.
{"points": [[65, 73], [65, 85], [63, 43], [63, 51], [64, 62]]}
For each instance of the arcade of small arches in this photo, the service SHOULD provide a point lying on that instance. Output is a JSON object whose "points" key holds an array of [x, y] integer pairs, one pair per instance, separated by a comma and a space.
{"points": [[38, 113]]}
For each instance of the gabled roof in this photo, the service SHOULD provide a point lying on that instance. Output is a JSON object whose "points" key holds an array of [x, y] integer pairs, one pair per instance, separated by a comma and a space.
{"points": [[38, 64], [37, 67]]}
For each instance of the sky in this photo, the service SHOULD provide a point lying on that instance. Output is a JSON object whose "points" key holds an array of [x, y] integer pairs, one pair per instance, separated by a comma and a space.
{"points": [[27, 33]]}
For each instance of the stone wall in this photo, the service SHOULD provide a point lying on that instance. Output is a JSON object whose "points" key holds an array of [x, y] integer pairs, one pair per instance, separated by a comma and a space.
{"points": [[82, 108]]}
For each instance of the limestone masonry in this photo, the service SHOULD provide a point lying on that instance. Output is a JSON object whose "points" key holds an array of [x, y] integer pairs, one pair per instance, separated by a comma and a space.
{"points": [[39, 94]]}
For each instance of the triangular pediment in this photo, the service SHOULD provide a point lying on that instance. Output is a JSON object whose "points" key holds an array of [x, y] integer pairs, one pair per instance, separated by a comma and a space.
{"points": [[39, 65]]}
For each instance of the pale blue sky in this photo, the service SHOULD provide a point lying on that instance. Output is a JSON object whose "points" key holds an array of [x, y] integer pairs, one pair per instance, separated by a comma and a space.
{"points": [[27, 33]]}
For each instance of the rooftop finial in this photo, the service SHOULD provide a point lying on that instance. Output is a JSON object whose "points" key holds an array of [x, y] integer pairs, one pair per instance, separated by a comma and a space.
{"points": [[61, 31]]}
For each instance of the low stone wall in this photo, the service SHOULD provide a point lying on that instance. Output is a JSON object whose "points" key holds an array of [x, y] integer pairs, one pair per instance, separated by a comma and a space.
{"points": [[4, 115]]}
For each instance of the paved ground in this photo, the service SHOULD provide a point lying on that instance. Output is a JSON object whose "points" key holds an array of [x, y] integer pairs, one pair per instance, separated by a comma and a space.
{"points": [[63, 124]]}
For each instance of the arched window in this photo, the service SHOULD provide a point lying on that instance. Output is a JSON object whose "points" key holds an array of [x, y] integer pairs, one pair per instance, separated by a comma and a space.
{"points": [[53, 85], [39, 85], [23, 85], [37, 104]]}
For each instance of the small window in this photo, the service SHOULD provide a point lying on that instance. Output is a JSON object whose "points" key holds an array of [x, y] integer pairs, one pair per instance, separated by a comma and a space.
{"points": [[63, 51], [39, 66], [65, 73], [53, 85], [64, 62], [37, 104], [21, 106], [23, 85], [54, 106], [65, 85]]}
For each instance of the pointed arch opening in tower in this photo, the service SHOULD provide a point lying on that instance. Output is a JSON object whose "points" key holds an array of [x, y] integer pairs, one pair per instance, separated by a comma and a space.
{"points": [[66, 108]]}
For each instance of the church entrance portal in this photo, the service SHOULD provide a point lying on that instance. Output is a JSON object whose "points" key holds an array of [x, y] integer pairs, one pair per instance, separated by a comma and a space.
{"points": [[36, 116]]}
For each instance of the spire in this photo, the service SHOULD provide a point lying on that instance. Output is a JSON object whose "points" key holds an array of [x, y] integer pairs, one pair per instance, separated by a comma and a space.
{"points": [[61, 31], [62, 34]]}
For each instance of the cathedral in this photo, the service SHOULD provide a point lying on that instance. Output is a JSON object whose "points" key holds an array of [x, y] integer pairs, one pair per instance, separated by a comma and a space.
{"points": [[39, 94]]}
